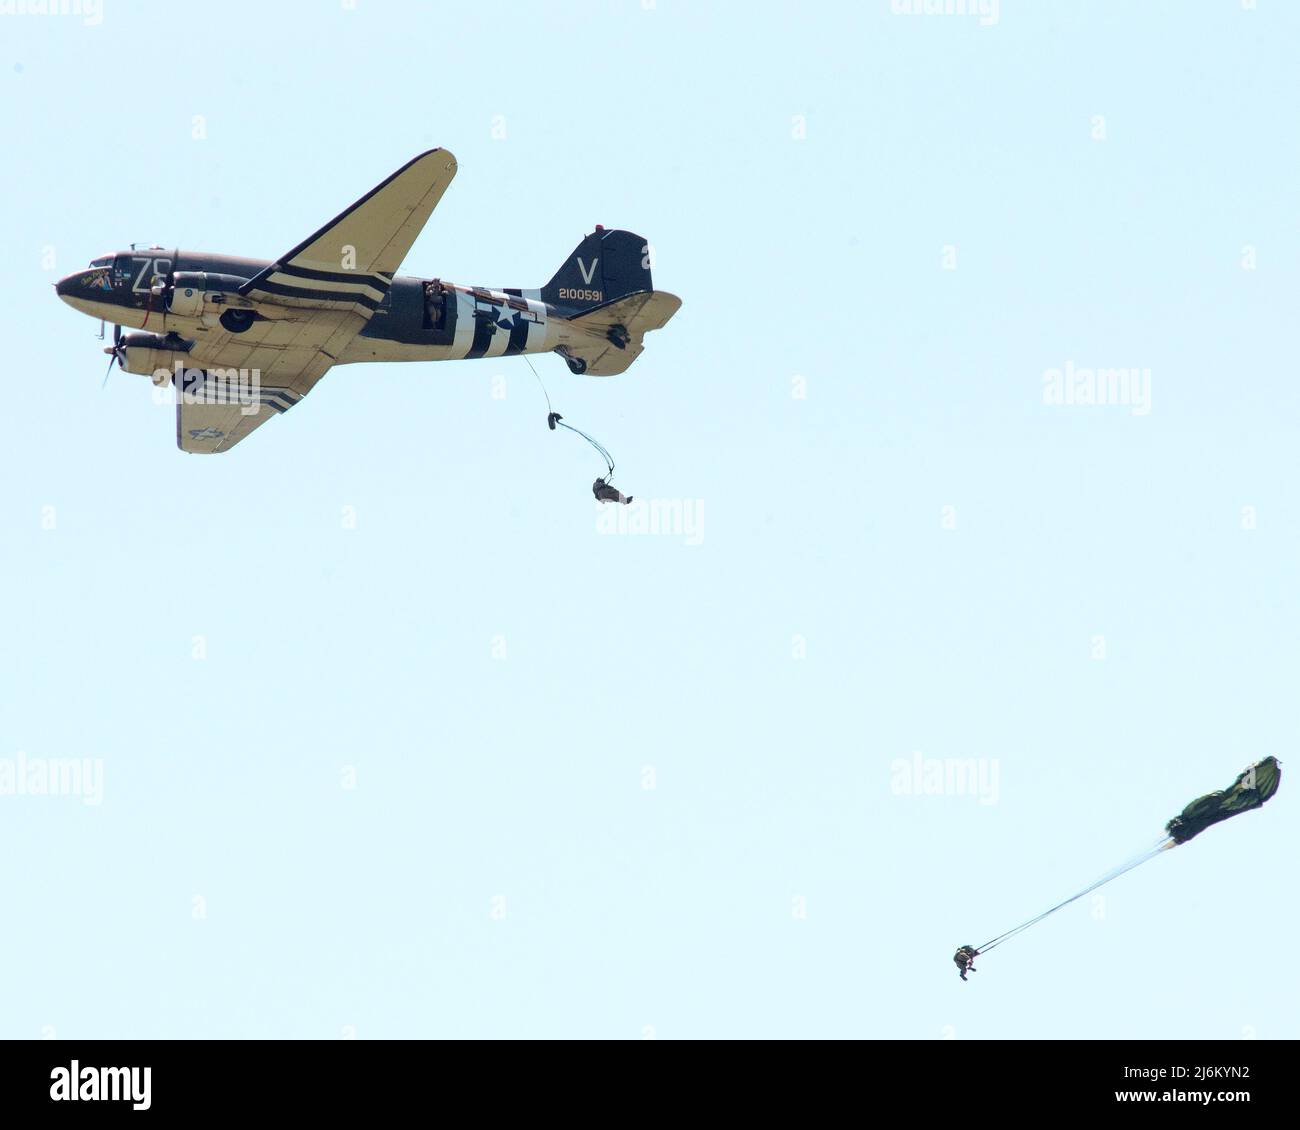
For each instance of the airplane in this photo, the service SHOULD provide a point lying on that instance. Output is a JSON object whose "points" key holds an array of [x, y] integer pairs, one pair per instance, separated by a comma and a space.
{"points": [[243, 340]]}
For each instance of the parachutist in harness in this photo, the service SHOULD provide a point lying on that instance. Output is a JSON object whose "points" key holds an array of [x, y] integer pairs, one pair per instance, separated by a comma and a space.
{"points": [[601, 488], [1251, 790], [606, 493], [965, 959]]}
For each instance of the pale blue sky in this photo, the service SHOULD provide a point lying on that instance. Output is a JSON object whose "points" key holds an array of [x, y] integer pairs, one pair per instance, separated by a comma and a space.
{"points": [[370, 650]]}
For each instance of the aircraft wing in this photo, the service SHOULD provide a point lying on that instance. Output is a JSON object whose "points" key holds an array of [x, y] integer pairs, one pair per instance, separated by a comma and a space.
{"points": [[214, 411], [349, 264], [336, 279], [261, 374]]}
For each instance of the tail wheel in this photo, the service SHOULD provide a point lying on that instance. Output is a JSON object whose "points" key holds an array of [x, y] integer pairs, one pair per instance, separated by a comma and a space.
{"points": [[576, 364]]}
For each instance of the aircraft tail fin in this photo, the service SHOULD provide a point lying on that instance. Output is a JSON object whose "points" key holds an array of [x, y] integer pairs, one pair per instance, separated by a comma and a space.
{"points": [[605, 266]]}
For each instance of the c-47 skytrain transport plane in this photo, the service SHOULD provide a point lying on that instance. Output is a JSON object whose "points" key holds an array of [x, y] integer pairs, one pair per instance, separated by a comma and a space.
{"points": [[244, 340]]}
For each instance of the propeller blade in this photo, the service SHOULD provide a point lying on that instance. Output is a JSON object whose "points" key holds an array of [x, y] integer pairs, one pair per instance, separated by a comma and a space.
{"points": [[115, 352]]}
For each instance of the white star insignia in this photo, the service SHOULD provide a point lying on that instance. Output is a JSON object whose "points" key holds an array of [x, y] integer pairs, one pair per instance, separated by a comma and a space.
{"points": [[507, 317]]}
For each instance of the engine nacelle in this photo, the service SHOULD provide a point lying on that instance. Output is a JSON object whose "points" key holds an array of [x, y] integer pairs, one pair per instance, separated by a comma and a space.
{"points": [[194, 292], [149, 354]]}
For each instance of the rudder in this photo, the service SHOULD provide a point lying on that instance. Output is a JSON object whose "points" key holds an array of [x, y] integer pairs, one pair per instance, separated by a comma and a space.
{"points": [[605, 266]]}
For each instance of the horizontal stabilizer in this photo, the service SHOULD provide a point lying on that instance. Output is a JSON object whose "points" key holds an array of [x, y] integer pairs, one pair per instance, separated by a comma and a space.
{"points": [[609, 338]]}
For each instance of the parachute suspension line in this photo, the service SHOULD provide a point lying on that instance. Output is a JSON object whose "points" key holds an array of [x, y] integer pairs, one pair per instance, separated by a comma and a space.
{"points": [[1115, 873], [546, 394], [609, 459], [1136, 861], [554, 418]]}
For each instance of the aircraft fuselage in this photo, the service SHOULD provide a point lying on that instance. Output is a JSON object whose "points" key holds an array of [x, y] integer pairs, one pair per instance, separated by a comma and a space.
{"points": [[418, 320]]}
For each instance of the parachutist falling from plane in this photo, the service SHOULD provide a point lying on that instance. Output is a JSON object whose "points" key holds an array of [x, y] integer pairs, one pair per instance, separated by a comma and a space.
{"points": [[601, 488], [606, 493], [1255, 785], [965, 959]]}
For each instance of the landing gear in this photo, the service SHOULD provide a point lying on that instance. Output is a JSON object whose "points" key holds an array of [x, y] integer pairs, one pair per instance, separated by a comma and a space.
{"points": [[238, 321], [618, 336], [576, 364]]}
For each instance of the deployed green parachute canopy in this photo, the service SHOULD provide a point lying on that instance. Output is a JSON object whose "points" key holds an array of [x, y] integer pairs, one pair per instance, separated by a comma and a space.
{"points": [[1250, 790]]}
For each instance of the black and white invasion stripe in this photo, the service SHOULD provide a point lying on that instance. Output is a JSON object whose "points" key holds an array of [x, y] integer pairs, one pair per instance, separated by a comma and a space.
{"points": [[344, 288]]}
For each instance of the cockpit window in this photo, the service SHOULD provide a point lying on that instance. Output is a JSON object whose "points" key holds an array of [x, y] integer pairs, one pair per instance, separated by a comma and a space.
{"points": [[102, 261]]}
